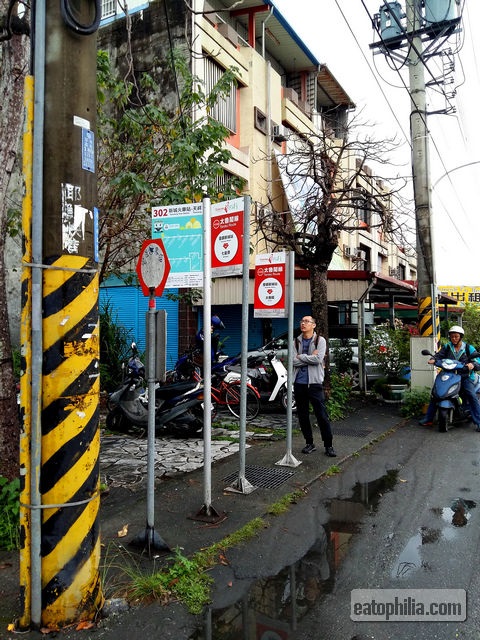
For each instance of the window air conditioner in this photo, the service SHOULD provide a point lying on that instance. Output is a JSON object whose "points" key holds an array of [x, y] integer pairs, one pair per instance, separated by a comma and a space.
{"points": [[280, 132]]}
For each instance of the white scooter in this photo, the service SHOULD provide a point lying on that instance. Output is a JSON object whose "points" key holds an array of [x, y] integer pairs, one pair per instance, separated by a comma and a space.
{"points": [[270, 382]]}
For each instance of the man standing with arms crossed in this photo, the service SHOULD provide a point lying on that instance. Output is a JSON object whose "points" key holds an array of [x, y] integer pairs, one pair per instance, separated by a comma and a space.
{"points": [[308, 376]]}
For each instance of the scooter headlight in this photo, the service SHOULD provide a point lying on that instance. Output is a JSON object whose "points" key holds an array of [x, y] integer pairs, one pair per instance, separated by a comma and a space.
{"points": [[452, 390]]}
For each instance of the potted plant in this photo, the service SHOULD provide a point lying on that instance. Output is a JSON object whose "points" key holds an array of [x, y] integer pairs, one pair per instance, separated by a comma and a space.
{"points": [[389, 348]]}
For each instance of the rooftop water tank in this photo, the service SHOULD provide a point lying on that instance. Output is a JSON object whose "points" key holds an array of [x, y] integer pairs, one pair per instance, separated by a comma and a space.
{"points": [[439, 11], [390, 19]]}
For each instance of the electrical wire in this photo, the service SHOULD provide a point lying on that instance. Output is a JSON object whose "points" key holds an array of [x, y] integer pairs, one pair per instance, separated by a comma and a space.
{"points": [[69, 16], [422, 115], [375, 77]]}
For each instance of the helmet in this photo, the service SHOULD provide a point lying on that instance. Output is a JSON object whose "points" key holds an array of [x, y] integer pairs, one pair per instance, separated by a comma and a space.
{"points": [[456, 329], [217, 323]]}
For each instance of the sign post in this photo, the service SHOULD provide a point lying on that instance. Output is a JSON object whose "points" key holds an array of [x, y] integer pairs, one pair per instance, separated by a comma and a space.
{"points": [[153, 268]]}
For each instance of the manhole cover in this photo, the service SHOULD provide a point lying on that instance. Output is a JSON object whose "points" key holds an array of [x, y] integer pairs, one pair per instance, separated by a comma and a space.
{"points": [[263, 477], [354, 432]]}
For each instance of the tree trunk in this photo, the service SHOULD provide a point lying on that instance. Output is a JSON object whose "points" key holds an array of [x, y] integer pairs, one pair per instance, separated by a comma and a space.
{"points": [[318, 289], [14, 56]]}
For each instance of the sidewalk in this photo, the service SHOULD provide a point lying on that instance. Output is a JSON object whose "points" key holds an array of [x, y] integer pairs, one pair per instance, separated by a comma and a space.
{"points": [[180, 486], [181, 493]]}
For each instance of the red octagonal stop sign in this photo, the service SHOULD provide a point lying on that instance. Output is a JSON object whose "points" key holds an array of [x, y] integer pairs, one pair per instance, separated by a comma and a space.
{"points": [[153, 267]]}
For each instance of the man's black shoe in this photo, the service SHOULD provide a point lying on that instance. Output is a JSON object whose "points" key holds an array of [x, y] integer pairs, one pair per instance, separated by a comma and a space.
{"points": [[330, 452], [309, 448]]}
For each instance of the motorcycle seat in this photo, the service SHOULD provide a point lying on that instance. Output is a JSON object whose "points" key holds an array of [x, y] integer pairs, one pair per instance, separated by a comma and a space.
{"points": [[175, 389]]}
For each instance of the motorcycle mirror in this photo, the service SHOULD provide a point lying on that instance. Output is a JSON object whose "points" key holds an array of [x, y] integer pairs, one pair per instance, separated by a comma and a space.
{"points": [[426, 352]]}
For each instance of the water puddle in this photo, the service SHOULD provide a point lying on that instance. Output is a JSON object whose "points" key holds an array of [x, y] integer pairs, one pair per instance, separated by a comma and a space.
{"points": [[270, 608], [451, 518]]}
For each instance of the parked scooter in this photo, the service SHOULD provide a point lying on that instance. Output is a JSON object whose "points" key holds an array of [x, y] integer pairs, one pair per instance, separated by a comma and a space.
{"points": [[446, 391], [191, 361], [270, 379], [178, 405]]}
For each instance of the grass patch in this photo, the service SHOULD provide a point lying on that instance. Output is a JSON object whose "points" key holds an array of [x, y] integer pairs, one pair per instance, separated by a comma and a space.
{"points": [[283, 505], [333, 470], [186, 579]]}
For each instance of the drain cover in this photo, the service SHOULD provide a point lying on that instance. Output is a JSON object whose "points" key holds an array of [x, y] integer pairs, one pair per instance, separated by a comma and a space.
{"points": [[263, 477], [354, 432]]}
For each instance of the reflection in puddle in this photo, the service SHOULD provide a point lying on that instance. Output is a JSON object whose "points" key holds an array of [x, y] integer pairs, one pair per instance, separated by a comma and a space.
{"points": [[410, 559], [273, 606]]}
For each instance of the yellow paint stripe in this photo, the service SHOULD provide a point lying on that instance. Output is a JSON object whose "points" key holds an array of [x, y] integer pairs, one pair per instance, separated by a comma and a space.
{"points": [[62, 270], [57, 325], [74, 478], [69, 545], [55, 384], [76, 593]]}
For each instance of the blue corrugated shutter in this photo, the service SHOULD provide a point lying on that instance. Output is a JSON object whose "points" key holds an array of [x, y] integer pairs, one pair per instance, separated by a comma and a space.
{"points": [[231, 317], [130, 307]]}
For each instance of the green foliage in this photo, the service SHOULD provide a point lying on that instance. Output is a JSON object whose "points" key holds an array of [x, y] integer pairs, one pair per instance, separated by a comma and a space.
{"points": [[471, 324], [342, 354], [17, 362], [9, 514], [186, 579], [414, 401], [333, 470], [115, 342], [14, 222], [340, 394], [150, 155], [389, 349], [284, 504]]}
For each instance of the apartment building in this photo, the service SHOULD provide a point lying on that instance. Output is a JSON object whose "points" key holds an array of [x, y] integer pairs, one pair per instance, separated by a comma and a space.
{"points": [[283, 93]]}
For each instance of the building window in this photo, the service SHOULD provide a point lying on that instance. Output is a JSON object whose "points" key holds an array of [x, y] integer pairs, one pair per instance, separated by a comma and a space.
{"points": [[363, 213], [225, 110], [109, 8]]}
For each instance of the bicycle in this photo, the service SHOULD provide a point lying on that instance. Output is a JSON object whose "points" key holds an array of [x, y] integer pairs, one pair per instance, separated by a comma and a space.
{"points": [[225, 389], [228, 394]]}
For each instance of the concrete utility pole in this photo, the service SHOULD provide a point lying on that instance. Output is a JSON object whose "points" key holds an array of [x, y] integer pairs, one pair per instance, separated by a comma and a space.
{"points": [[60, 446], [428, 322], [433, 21]]}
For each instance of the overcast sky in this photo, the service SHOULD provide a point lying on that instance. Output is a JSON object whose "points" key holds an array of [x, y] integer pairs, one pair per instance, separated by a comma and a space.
{"points": [[339, 32]]}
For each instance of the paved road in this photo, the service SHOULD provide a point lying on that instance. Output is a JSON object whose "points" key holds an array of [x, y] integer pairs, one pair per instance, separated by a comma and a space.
{"points": [[424, 534]]}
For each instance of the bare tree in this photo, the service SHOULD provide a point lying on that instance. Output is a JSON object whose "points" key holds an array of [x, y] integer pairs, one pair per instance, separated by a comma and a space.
{"points": [[14, 59], [325, 179]]}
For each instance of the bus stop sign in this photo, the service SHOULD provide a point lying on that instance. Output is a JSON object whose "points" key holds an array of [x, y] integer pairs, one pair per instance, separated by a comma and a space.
{"points": [[153, 267]]}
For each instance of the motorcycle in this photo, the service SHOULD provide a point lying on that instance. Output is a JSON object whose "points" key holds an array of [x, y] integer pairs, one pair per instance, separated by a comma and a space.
{"points": [[446, 391], [190, 364], [178, 405], [270, 380]]}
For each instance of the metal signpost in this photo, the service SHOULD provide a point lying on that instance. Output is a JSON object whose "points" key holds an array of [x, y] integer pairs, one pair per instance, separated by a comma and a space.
{"points": [[153, 268]]}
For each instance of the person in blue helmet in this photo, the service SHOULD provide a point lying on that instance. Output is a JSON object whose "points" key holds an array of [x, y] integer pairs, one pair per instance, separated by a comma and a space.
{"points": [[216, 325], [457, 349]]}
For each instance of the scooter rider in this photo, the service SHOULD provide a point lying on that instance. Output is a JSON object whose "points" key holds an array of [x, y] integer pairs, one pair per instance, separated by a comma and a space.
{"points": [[216, 324], [456, 349]]}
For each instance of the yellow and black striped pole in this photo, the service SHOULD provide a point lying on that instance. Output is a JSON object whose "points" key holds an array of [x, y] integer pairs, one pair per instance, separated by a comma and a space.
{"points": [[60, 580], [70, 443], [428, 318]]}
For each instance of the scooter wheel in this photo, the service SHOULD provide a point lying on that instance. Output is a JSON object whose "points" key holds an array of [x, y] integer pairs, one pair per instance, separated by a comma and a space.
{"points": [[116, 421], [284, 398], [443, 418]]}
